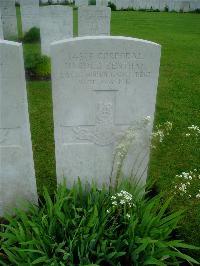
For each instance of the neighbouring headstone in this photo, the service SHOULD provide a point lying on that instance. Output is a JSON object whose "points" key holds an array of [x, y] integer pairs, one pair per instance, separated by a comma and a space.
{"points": [[80, 3], [17, 176], [56, 23], [1, 28], [29, 14], [102, 86], [101, 2], [125, 4], [163, 5], [136, 4], [185, 6], [9, 19], [94, 21]]}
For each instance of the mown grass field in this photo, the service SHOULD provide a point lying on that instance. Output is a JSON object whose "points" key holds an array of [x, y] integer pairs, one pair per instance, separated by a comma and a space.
{"points": [[178, 101]]}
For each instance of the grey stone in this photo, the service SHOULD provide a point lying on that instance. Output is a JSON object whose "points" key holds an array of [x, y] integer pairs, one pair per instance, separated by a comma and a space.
{"points": [[101, 2], [102, 86], [80, 3], [56, 23], [94, 21], [9, 19], [17, 176], [1, 28], [29, 14]]}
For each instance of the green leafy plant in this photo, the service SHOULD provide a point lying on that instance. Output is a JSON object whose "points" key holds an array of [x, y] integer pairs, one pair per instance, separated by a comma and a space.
{"points": [[92, 2], [43, 68], [84, 226], [112, 6], [37, 66], [32, 36], [166, 9]]}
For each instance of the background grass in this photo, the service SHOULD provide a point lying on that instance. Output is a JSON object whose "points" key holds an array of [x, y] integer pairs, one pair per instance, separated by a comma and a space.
{"points": [[178, 101]]}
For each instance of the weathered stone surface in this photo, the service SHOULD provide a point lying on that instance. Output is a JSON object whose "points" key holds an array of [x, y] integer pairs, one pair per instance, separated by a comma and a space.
{"points": [[102, 86], [185, 6], [29, 14], [56, 23], [101, 2], [80, 3], [17, 177], [9, 19], [1, 28], [94, 21]]}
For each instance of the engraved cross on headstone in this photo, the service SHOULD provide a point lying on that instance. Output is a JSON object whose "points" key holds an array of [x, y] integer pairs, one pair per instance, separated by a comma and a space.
{"points": [[105, 131]]}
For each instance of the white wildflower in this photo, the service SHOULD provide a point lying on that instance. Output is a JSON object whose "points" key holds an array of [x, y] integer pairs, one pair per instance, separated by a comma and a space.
{"points": [[114, 203]]}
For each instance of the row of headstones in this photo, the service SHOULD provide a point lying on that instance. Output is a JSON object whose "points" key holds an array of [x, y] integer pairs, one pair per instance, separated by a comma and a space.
{"points": [[162, 5], [56, 21], [101, 86], [89, 23], [77, 3], [31, 18]]}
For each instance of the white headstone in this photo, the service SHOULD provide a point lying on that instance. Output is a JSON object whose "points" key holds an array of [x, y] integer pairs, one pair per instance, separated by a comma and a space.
{"points": [[80, 3], [136, 4], [185, 6], [56, 23], [29, 14], [163, 5], [101, 2], [121, 4], [17, 176], [101, 87], [1, 28], [94, 21], [9, 19]]}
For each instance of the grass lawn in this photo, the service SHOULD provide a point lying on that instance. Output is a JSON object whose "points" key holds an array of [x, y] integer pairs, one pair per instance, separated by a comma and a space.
{"points": [[178, 101]]}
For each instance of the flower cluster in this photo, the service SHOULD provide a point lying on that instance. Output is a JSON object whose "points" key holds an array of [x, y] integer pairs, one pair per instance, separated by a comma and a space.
{"points": [[122, 200], [160, 132], [123, 147], [129, 136], [193, 131], [188, 184]]}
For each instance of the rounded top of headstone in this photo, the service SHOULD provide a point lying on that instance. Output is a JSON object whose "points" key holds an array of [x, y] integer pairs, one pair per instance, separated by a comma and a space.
{"points": [[17, 44], [109, 38], [93, 8], [55, 9]]}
